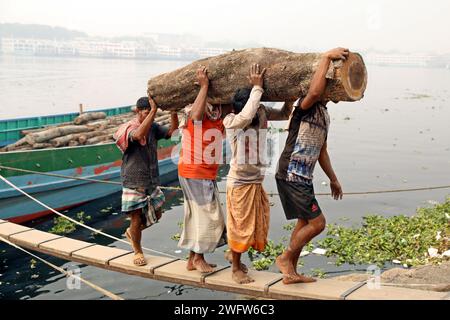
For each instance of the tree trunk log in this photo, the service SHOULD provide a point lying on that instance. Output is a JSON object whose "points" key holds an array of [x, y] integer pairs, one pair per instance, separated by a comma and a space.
{"points": [[287, 77], [52, 133], [86, 117], [99, 139], [41, 146], [84, 137], [16, 145]]}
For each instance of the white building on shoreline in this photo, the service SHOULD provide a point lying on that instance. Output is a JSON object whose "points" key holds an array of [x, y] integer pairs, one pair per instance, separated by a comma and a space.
{"points": [[101, 48]]}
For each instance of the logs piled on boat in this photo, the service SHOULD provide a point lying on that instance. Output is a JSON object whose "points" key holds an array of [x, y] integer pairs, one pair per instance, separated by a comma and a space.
{"points": [[287, 78], [87, 129]]}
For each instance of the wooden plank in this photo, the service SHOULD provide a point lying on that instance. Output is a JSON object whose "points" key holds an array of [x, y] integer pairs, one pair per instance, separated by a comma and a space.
{"points": [[223, 280], [125, 264], [177, 270], [98, 255], [8, 229], [64, 246], [326, 289], [33, 238], [395, 293]]}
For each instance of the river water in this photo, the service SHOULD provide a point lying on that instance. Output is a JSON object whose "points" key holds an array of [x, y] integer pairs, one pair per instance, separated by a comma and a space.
{"points": [[397, 137]]}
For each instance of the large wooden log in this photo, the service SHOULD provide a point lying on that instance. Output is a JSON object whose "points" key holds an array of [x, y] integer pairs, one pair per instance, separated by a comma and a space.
{"points": [[89, 116], [99, 139], [52, 133], [83, 137], [288, 77]]}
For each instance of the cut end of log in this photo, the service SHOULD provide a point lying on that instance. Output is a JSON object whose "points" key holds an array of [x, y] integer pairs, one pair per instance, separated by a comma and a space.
{"points": [[354, 76]]}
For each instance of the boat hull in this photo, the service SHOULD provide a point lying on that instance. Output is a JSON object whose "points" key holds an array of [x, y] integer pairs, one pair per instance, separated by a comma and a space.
{"points": [[63, 193]]}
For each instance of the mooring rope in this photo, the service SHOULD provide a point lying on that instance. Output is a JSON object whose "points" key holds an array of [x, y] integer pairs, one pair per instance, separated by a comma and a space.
{"points": [[66, 273], [224, 192], [79, 223], [56, 175]]}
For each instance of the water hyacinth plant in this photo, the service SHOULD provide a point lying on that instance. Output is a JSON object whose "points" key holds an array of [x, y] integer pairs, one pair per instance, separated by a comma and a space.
{"points": [[382, 240], [264, 259], [63, 226]]}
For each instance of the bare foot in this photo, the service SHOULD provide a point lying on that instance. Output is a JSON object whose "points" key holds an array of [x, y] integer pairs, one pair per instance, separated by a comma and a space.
{"points": [[297, 278], [229, 258], [190, 265], [202, 266], [240, 277], [284, 265], [139, 260]]}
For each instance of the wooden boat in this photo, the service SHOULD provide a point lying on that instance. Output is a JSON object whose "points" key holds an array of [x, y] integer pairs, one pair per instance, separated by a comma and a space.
{"points": [[101, 162]]}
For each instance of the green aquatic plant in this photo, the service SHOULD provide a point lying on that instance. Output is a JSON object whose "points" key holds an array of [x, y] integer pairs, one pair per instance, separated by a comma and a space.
{"points": [[82, 218], [318, 273], [262, 260], [262, 263], [381, 240], [63, 226], [176, 236], [33, 264], [289, 226], [106, 210]]}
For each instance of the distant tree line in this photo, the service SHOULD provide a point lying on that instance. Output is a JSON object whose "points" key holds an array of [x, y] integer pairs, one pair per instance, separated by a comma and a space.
{"points": [[17, 30]]}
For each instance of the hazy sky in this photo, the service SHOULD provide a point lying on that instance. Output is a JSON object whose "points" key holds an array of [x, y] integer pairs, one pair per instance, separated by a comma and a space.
{"points": [[385, 25]]}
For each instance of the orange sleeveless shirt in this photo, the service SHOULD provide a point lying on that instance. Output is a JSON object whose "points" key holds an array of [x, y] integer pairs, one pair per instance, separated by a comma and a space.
{"points": [[201, 149]]}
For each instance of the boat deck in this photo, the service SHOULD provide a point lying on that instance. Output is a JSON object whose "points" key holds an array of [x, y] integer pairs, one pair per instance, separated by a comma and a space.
{"points": [[266, 285]]}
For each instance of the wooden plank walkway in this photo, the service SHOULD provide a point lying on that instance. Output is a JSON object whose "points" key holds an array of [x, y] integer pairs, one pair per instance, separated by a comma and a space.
{"points": [[266, 285]]}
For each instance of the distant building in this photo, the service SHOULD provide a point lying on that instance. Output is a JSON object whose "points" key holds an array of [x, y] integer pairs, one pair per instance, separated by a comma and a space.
{"points": [[101, 48], [175, 47]]}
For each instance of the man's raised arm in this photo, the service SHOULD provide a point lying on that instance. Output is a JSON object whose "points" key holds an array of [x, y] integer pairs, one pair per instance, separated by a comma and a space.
{"points": [[199, 105], [319, 82]]}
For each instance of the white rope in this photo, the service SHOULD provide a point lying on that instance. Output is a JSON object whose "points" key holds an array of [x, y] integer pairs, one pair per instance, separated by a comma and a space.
{"points": [[79, 223], [66, 273], [224, 192]]}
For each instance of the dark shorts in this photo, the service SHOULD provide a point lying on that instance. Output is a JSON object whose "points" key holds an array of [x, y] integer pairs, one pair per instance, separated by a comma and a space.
{"points": [[298, 200]]}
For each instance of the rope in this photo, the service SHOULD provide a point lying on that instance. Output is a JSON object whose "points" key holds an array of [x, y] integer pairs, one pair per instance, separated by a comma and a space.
{"points": [[66, 273], [79, 223], [73, 177], [223, 192]]}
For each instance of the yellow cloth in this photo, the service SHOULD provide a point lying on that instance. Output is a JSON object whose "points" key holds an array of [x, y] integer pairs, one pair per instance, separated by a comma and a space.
{"points": [[247, 217]]}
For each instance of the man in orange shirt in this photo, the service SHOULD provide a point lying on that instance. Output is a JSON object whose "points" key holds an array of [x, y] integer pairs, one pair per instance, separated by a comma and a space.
{"points": [[201, 154]]}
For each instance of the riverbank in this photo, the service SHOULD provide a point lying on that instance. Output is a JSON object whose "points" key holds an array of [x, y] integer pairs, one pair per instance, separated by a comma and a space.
{"points": [[427, 277]]}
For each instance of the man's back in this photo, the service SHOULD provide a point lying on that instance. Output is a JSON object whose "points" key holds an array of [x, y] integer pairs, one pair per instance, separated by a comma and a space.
{"points": [[308, 132]]}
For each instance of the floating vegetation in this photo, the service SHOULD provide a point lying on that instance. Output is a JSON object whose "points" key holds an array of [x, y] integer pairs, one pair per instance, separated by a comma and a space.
{"points": [[318, 273], [409, 241], [176, 236], [264, 259], [82, 218], [106, 210], [405, 240], [33, 264], [63, 226]]}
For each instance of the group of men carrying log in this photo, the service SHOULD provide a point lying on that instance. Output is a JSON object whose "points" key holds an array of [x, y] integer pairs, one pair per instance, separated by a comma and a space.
{"points": [[203, 126]]}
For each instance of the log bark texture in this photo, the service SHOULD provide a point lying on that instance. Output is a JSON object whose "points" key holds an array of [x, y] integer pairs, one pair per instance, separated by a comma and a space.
{"points": [[89, 116], [52, 133], [287, 77]]}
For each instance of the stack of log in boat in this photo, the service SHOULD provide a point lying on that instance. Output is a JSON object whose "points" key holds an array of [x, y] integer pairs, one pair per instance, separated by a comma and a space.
{"points": [[87, 129]]}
